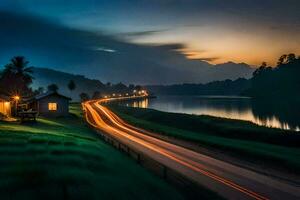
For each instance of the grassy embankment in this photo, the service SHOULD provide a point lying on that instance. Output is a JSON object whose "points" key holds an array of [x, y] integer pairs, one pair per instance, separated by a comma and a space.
{"points": [[63, 159], [244, 139]]}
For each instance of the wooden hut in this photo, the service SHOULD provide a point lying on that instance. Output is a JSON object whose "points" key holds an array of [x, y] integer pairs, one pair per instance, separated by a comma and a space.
{"points": [[51, 104]]}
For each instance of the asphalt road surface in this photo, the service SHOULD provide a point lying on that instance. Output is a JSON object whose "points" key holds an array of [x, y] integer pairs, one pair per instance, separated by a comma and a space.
{"points": [[229, 181]]}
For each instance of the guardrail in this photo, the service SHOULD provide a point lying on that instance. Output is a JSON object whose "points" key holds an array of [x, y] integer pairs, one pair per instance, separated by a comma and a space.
{"points": [[187, 187]]}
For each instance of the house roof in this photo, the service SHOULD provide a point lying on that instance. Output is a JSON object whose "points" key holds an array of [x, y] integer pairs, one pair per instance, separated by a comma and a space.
{"points": [[44, 95], [4, 97]]}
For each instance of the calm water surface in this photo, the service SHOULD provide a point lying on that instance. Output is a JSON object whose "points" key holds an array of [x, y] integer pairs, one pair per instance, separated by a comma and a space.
{"points": [[277, 114]]}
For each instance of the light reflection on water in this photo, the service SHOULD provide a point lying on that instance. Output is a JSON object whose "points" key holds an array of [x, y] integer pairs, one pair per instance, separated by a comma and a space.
{"points": [[261, 113]]}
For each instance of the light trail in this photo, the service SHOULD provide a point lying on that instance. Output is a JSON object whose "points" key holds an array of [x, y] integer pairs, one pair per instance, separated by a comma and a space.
{"points": [[176, 157]]}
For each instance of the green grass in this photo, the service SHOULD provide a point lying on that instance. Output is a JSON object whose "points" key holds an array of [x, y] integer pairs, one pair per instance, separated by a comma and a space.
{"points": [[232, 136], [63, 159], [76, 109]]}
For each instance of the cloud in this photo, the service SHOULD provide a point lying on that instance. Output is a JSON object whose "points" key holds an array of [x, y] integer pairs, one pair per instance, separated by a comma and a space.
{"points": [[208, 59], [142, 33], [46, 44], [170, 46]]}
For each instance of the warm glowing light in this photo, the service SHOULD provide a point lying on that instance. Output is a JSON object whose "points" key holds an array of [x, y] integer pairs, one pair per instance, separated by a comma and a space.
{"points": [[127, 94], [16, 98], [114, 95], [52, 106], [134, 91], [126, 132], [120, 95]]}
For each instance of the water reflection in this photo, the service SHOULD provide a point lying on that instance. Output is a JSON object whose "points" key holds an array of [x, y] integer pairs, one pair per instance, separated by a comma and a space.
{"points": [[141, 104], [277, 114]]}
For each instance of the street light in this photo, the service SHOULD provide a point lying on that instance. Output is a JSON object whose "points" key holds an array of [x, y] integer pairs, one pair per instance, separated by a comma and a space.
{"points": [[16, 98]]}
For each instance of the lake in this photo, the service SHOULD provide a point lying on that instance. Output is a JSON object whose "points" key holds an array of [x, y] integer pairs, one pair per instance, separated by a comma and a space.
{"points": [[277, 114]]}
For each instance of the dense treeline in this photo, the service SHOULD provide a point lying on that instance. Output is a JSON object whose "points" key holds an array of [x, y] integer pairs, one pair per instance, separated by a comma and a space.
{"points": [[227, 87], [283, 81]]}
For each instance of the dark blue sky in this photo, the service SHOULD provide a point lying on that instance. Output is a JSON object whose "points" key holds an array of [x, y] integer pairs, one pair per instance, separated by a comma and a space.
{"points": [[204, 26], [226, 30], [216, 31]]}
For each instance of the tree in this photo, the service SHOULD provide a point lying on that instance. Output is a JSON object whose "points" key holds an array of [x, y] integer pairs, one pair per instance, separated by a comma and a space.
{"points": [[291, 58], [263, 68], [16, 77], [96, 95], [52, 88], [71, 85], [84, 97], [279, 82], [40, 90], [282, 59]]}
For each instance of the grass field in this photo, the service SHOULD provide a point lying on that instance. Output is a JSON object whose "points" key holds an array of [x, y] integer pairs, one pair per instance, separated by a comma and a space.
{"points": [[244, 139], [63, 159]]}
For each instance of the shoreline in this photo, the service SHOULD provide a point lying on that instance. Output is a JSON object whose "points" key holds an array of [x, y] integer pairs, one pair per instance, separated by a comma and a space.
{"points": [[230, 142], [276, 115]]}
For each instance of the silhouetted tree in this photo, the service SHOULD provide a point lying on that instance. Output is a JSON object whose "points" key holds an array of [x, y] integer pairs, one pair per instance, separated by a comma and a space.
{"points": [[279, 82], [282, 59], [96, 95], [84, 97], [16, 77], [71, 85], [291, 58], [52, 88], [40, 90]]}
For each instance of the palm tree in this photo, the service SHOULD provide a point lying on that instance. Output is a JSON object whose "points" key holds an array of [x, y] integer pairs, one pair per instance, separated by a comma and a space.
{"points": [[19, 65], [16, 76], [71, 85], [52, 88]]}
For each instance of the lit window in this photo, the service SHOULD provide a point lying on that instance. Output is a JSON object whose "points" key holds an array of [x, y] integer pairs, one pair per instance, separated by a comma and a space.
{"points": [[52, 106]]}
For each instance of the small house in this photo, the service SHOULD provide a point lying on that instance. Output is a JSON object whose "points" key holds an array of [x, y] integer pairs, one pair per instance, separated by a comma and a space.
{"points": [[5, 106], [50, 104]]}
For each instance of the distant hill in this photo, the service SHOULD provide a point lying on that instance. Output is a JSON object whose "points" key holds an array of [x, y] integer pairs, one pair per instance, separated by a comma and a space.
{"points": [[44, 77], [227, 87]]}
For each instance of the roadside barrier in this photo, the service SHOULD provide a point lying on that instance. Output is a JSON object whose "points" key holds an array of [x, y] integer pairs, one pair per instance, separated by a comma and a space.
{"points": [[187, 187]]}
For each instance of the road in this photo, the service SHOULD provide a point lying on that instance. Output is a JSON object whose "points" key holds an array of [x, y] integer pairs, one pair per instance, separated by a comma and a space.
{"points": [[229, 181]]}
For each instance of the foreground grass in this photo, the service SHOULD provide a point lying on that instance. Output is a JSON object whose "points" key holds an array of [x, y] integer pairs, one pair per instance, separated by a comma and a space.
{"points": [[63, 159], [241, 138]]}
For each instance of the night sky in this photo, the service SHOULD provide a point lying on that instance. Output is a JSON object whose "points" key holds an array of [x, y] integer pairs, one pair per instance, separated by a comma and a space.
{"points": [[214, 31]]}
